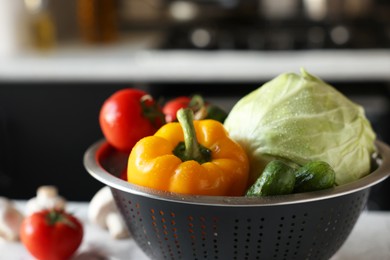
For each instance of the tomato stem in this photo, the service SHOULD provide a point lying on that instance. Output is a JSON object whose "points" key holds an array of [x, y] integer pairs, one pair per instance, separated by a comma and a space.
{"points": [[54, 216], [151, 111], [196, 103]]}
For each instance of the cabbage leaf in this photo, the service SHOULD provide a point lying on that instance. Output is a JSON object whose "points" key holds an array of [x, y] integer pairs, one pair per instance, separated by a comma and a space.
{"points": [[300, 118]]}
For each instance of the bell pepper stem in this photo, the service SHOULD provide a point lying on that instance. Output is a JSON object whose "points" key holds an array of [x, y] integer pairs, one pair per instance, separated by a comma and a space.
{"points": [[193, 150]]}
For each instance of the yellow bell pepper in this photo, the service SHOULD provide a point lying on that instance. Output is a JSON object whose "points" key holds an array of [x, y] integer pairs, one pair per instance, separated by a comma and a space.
{"points": [[190, 157]]}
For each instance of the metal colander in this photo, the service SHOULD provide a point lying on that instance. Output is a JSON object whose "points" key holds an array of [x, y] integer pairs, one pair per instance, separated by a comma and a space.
{"points": [[165, 225]]}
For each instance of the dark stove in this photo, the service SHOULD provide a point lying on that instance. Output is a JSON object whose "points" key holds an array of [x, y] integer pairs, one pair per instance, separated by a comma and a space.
{"points": [[296, 35], [249, 25]]}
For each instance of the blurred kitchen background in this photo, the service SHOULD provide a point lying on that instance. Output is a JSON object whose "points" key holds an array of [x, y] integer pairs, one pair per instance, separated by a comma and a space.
{"points": [[59, 60]]}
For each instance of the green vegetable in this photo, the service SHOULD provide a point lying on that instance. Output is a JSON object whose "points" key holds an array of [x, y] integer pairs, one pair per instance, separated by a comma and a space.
{"points": [[316, 175], [216, 113], [277, 179], [301, 118]]}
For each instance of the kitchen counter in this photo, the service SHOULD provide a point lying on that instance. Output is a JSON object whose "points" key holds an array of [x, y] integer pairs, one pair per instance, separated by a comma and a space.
{"points": [[121, 63], [369, 240]]}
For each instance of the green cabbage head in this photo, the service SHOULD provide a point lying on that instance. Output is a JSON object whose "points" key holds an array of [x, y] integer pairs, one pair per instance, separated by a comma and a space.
{"points": [[301, 118]]}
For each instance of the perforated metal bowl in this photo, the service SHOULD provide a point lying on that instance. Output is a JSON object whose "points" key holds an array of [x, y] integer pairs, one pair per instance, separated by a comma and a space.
{"points": [[166, 225]]}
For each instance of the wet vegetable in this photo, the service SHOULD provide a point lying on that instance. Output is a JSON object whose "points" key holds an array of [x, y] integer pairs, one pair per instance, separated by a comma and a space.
{"points": [[51, 234], [278, 178], [127, 116], [201, 108], [301, 118], [316, 175], [194, 157]]}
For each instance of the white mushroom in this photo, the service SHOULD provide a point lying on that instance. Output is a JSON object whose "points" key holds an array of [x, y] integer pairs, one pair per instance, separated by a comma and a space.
{"points": [[103, 212], [10, 220], [47, 198]]}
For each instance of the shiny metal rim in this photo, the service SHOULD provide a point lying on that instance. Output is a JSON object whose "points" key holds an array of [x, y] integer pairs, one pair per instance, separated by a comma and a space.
{"points": [[98, 172]]}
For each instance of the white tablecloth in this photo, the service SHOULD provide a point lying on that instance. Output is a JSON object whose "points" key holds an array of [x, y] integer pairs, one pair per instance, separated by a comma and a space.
{"points": [[370, 239]]}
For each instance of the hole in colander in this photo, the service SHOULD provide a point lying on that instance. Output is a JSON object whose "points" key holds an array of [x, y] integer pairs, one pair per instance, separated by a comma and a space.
{"points": [[165, 232], [189, 235]]}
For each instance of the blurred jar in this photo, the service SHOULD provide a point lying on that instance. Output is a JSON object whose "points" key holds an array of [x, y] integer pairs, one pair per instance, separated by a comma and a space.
{"points": [[42, 28], [13, 27], [98, 20]]}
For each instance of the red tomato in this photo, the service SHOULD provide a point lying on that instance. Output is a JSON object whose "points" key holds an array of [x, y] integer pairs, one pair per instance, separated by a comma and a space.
{"points": [[51, 234], [129, 115], [123, 174], [171, 107]]}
